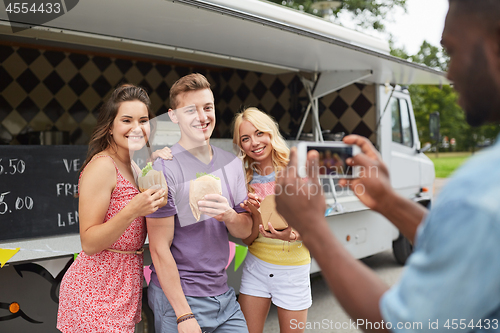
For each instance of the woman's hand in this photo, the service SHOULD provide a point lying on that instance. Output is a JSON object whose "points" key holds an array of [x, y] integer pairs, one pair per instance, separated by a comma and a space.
{"points": [[254, 200], [147, 202], [164, 153], [284, 235]]}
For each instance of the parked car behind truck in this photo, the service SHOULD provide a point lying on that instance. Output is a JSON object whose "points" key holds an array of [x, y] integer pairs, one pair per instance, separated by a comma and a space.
{"points": [[311, 75]]}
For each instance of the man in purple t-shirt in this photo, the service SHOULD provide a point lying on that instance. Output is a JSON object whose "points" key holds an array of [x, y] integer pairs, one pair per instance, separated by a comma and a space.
{"points": [[188, 290]]}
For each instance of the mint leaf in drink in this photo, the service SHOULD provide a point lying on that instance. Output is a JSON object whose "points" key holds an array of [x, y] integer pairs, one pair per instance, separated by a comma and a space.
{"points": [[147, 168]]}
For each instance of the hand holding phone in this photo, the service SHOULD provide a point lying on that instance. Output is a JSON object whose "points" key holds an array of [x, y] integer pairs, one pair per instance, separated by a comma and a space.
{"points": [[332, 159]]}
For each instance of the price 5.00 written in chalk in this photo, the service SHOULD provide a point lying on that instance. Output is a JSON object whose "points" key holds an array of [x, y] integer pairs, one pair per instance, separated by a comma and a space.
{"points": [[26, 203], [14, 166]]}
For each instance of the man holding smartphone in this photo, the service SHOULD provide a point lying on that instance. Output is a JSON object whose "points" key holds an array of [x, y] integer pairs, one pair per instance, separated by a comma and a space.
{"points": [[452, 280]]}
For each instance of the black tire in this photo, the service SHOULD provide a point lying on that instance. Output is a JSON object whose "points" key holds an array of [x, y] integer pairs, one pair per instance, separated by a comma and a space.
{"points": [[147, 323], [402, 249]]}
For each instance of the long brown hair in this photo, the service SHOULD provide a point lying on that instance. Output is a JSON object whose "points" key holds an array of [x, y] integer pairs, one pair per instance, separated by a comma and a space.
{"points": [[101, 137]]}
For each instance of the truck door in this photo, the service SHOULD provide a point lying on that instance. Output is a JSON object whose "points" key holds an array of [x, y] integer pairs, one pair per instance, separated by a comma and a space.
{"points": [[404, 163]]}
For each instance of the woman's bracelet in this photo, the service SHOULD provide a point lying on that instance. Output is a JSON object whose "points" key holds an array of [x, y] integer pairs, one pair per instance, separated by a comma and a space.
{"points": [[184, 317]]}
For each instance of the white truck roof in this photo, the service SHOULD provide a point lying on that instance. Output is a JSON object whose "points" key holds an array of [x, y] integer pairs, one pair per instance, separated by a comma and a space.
{"points": [[292, 17], [245, 34]]}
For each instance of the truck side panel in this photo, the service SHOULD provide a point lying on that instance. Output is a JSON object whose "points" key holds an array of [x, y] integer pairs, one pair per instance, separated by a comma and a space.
{"points": [[362, 233]]}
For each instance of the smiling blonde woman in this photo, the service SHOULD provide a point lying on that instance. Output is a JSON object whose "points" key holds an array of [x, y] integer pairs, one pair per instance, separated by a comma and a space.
{"points": [[277, 267]]}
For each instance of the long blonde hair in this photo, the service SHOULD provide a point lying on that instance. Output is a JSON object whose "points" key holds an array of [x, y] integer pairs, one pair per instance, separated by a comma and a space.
{"points": [[264, 123]]}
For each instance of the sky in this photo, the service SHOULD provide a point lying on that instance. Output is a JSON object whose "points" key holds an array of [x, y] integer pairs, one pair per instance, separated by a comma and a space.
{"points": [[424, 20]]}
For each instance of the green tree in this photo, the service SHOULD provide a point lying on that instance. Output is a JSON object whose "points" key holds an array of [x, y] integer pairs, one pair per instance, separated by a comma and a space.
{"points": [[428, 99], [370, 14], [367, 13]]}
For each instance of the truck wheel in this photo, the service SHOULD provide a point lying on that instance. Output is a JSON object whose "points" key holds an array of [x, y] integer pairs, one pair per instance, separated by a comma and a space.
{"points": [[147, 323], [402, 249]]}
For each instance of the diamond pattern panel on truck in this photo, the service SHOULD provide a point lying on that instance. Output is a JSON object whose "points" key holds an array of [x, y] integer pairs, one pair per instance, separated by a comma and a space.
{"points": [[43, 89]]}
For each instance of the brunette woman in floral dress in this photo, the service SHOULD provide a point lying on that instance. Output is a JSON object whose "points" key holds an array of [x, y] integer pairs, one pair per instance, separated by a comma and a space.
{"points": [[102, 290]]}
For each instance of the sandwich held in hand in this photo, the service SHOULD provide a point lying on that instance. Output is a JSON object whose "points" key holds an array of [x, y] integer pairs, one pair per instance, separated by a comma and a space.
{"points": [[268, 213], [203, 184], [152, 179]]}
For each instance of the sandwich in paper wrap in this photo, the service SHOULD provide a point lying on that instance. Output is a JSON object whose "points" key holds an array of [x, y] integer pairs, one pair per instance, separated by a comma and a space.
{"points": [[268, 213], [152, 179], [203, 184]]}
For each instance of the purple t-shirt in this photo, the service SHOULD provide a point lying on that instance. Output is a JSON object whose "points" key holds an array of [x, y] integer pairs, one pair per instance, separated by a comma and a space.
{"points": [[200, 249]]}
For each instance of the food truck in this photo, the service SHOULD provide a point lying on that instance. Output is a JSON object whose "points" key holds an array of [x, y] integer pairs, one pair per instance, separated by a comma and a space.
{"points": [[319, 81]]}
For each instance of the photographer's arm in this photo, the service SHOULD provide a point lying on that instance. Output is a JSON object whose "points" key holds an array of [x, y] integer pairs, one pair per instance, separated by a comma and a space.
{"points": [[373, 189], [357, 288], [405, 214]]}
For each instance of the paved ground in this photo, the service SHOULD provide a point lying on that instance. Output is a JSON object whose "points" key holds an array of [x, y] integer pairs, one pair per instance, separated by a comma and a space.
{"points": [[326, 309]]}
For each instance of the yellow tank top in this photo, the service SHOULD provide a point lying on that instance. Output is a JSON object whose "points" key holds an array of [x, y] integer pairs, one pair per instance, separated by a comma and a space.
{"points": [[278, 252], [275, 251]]}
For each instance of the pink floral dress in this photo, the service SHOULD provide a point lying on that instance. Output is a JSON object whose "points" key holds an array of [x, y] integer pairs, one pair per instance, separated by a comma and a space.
{"points": [[103, 292]]}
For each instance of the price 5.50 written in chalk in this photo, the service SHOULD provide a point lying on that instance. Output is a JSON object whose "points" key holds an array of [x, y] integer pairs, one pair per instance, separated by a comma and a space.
{"points": [[26, 203], [15, 165]]}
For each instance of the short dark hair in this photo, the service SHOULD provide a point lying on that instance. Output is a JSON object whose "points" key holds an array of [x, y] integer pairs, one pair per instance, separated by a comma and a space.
{"points": [[486, 11]]}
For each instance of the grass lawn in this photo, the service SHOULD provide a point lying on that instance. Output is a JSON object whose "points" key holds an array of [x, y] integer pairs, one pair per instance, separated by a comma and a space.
{"points": [[446, 163]]}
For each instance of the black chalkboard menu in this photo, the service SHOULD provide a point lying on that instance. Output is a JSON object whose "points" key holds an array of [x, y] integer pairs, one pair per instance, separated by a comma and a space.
{"points": [[37, 190]]}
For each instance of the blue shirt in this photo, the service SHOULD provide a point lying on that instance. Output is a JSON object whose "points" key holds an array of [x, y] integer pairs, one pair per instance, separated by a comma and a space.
{"points": [[453, 276]]}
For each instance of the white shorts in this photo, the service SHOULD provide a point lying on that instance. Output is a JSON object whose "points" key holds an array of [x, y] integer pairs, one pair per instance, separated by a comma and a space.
{"points": [[288, 287]]}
